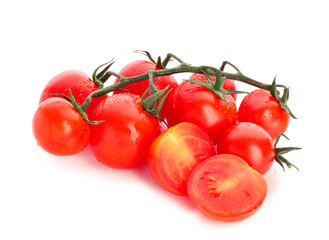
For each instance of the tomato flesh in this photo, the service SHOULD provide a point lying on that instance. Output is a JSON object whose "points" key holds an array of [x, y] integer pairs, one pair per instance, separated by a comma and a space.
{"points": [[58, 127], [175, 153], [225, 188]]}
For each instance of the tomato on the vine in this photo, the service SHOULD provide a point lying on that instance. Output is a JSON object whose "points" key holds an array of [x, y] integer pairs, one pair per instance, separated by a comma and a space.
{"points": [[79, 83], [261, 108], [191, 102], [250, 142], [123, 139], [228, 83], [58, 127], [225, 188], [140, 67], [175, 152]]}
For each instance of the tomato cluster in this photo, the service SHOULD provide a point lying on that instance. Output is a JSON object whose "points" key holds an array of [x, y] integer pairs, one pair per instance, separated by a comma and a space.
{"points": [[213, 150]]}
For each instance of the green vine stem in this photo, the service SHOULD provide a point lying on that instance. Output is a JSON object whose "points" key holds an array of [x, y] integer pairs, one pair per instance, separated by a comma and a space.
{"points": [[182, 68]]}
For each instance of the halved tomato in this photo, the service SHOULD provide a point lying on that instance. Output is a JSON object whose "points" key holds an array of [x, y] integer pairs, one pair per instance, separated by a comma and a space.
{"points": [[175, 152], [225, 188]]}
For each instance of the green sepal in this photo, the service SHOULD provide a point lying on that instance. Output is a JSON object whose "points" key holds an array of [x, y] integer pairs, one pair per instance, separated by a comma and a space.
{"points": [[101, 77], [280, 151], [149, 104], [282, 100], [220, 92]]}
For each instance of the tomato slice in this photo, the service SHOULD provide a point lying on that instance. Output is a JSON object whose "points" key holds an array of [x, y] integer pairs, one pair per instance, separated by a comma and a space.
{"points": [[174, 154], [225, 188]]}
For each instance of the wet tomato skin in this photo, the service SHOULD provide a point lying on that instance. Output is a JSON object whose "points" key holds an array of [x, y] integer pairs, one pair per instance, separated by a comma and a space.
{"points": [[261, 108], [79, 83], [250, 142], [123, 139], [140, 67], [225, 188], [191, 102], [175, 152], [58, 127]]}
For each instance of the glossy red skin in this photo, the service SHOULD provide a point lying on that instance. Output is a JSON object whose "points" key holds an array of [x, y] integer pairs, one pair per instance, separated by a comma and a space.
{"points": [[58, 127], [140, 67], [79, 83], [122, 141], [262, 108], [250, 142], [175, 152], [226, 189], [191, 102], [228, 83]]}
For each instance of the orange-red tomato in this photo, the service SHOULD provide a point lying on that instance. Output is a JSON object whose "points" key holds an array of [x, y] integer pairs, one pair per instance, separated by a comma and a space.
{"points": [[79, 83], [140, 67], [261, 108], [225, 188], [58, 127], [123, 139], [250, 142], [175, 153], [191, 102]]}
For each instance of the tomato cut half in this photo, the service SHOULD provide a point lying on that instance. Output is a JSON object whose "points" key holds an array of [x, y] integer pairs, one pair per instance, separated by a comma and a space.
{"points": [[225, 188], [175, 152]]}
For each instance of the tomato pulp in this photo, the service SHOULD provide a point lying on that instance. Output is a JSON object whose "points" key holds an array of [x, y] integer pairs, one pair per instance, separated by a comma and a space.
{"points": [[175, 152], [225, 188]]}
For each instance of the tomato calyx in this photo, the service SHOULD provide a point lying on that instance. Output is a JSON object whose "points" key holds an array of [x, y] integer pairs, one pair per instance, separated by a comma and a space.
{"points": [[101, 77], [280, 151], [217, 86], [153, 104], [282, 100]]}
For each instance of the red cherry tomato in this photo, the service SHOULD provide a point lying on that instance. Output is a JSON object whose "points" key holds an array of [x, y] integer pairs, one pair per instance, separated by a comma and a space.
{"points": [[191, 102], [262, 108], [250, 142], [140, 67], [122, 141], [225, 188], [175, 152], [58, 127], [228, 83], [79, 83]]}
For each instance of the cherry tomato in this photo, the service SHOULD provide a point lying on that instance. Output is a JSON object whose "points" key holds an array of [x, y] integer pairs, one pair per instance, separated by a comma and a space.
{"points": [[140, 67], [58, 127], [191, 102], [225, 188], [79, 83], [123, 139], [228, 83], [250, 142], [175, 152], [262, 108]]}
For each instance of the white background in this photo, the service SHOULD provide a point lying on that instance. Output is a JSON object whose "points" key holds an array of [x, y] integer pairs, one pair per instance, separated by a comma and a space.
{"points": [[48, 197]]}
